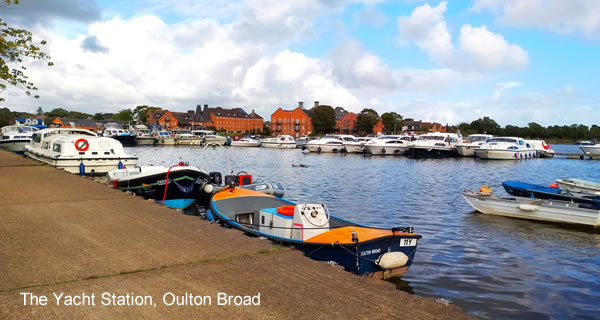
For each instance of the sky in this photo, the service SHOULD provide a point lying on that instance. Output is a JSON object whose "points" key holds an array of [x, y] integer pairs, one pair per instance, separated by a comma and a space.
{"points": [[516, 61]]}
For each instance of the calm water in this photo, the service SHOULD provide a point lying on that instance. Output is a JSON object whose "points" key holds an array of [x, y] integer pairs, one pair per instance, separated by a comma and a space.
{"points": [[492, 267]]}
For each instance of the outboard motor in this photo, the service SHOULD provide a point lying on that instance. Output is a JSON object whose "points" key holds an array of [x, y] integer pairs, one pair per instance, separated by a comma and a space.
{"points": [[215, 178], [231, 178]]}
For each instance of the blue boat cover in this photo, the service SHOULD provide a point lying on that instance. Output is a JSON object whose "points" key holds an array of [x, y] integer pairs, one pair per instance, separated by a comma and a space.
{"points": [[517, 185]]}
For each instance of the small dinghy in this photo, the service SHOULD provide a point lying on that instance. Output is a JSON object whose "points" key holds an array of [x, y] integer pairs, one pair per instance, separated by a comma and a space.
{"points": [[533, 209], [522, 189], [176, 187], [376, 252], [579, 185]]}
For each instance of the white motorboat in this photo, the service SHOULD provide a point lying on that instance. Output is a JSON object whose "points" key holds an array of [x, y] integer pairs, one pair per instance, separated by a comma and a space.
{"points": [[187, 139], [142, 135], [283, 141], [506, 148], [435, 145], [542, 148], [210, 137], [14, 138], [78, 151], [467, 147], [125, 137], [388, 145], [330, 143], [163, 138], [245, 142], [357, 145], [578, 185], [534, 209], [590, 149]]}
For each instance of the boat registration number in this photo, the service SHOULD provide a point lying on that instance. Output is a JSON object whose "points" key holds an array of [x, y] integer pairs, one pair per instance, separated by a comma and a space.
{"points": [[408, 242]]}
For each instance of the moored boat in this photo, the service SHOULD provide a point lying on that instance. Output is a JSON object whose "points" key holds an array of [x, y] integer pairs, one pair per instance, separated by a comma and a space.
{"points": [[356, 145], [530, 190], [245, 142], [126, 138], [467, 147], [14, 138], [505, 148], [283, 141], [177, 187], [579, 185], [533, 209], [310, 228], [329, 143], [388, 145], [591, 149], [142, 135], [163, 138], [78, 151], [434, 145], [542, 148], [187, 139]]}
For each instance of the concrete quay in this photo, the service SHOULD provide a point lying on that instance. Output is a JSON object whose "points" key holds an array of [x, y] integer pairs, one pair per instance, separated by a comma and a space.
{"points": [[63, 234]]}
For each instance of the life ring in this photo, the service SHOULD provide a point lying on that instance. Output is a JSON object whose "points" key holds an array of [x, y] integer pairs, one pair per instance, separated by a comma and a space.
{"points": [[382, 150], [319, 149], [82, 144], [27, 121], [34, 122]]}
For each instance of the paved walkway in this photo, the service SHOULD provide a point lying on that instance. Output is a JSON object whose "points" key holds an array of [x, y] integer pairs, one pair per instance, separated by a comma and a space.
{"points": [[63, 234]]}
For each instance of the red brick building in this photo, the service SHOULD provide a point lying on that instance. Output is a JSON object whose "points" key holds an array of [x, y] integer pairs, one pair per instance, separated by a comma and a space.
{"points": [[236, 120], [296, 122]]}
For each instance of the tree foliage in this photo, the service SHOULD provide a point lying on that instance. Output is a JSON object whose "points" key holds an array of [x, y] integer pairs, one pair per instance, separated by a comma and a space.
{"points": [[323, 120], [392, 122], [15, 45], [139, 113], [124, 115], [366, 120]]}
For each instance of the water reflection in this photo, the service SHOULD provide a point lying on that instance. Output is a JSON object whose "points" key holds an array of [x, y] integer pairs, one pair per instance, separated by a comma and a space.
{"points": [[493, 267]]}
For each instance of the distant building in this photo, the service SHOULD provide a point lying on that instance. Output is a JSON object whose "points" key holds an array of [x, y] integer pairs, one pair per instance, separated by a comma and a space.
{"points": [[296, 122], [411, 125], [345, 121], [152, 116], [235, 120], [92, 125]]}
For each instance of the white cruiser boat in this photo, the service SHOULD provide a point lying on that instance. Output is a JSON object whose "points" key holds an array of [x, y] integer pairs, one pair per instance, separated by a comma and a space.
{"points": [[187, 139], [357, 145], [467, 147], [142, 135], [506, 148], [330, 143], [78, 151], [245, 142], [163, 138], [435, 145], [14, 138], [283, 141], [578, 185], [210, 137], [591, 149], [543, 149], [388, 145], [534, 209]]}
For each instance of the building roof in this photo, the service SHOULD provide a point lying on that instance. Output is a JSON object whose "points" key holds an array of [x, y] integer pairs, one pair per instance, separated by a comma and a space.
{"points": [[254, 115], [340, 113], [184, 118]]}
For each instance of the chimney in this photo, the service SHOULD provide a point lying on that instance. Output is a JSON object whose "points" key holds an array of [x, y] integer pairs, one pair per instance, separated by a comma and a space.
{"points": [[316, 104], [300, 104]]}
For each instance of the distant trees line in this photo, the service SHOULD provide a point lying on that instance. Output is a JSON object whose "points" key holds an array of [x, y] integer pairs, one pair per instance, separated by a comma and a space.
{"points": [[323, 121], [533, 130]]}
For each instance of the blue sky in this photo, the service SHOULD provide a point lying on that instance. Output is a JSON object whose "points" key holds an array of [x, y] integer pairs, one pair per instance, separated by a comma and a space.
{"points": [[447, 61]]}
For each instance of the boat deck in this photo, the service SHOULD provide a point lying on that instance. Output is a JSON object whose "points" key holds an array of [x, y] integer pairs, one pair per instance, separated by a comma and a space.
{"points": [[61, 233]]}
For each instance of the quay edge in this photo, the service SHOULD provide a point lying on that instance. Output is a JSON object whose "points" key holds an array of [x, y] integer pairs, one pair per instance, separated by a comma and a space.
{"points": [[61, 233]]}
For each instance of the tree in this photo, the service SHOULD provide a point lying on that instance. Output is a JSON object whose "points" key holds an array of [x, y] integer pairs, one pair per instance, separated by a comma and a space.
{"points": [[485, 125], [392, 122], [266, 130], [323, 120], [98, 116], [57, 113], [15, 45], [366, 120], [5, 117], [534, 130], [124, 115], [39, 111], [139, 113]]}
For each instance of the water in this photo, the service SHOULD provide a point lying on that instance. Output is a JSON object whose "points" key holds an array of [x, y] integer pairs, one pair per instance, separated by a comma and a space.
{"points": [[492, 267]]}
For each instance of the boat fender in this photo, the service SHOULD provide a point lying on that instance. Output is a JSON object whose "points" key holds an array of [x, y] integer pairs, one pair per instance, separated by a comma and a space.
{"points": [[208, 188], [554, 185], [210, 216], [319, 149], [528, 207], [392, 260], [303, 148], [382, 150]]}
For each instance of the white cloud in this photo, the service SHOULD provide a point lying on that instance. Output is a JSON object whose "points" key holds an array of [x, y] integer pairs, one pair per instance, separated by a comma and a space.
{"points": [[478, 47], [501, 87], [566, 17]]}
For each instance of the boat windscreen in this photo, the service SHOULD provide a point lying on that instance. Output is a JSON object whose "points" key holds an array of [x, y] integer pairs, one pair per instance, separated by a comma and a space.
{"points": [[239, 205]]}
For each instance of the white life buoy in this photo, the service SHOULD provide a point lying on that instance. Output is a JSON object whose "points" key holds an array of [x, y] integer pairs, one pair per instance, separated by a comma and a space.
{"points": [[392, 260], [28, 121], [34, 122]]}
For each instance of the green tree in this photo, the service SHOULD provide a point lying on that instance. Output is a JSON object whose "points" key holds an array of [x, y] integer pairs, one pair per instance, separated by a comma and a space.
{"points": [[323, 120], [98, 116], [5, 117], [392, 122], [485, 125], [266, 131], [124, 115], [582, 132], [465, 129], [534, 130], [366, 120], [15, 45], [139, 113], [594, 132], [39, 111], [57, 113]]}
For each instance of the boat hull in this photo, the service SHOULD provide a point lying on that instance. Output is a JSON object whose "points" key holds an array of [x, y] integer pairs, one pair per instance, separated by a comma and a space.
{"points": [[164, 141], [185, 186], [528, 190], [592, 149], [354, 148], [126, 141], [533, 209], [323, 148], [492, 154], [144, 141], [92, 166], [431, 152], [579, 186], [279, 145], [466, 151], [245, 144], [16, 145], [385, 150]]}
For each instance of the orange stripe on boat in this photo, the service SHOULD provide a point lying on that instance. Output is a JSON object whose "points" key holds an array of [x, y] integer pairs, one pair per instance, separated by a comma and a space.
{"points": [[237, 192], [344, 235]]}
